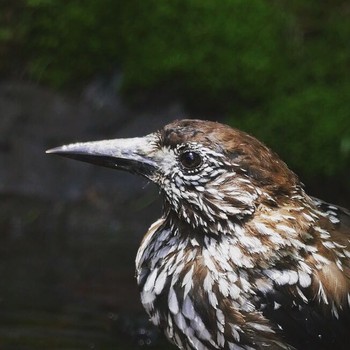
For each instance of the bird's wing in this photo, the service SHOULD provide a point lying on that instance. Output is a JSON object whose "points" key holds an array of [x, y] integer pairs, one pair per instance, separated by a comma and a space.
{"points": [[308, 321], [306, 325], [339, 215]]}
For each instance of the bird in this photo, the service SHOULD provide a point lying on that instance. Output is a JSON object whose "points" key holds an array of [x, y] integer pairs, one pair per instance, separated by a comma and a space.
{"points": [[242, 257]]}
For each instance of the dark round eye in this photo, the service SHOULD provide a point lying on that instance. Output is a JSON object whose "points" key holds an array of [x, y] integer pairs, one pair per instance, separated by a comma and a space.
{"points": [[190, 159]]}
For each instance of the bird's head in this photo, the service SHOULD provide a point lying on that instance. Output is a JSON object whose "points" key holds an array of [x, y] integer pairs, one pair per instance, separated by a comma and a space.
{"points": [[210, 174]]}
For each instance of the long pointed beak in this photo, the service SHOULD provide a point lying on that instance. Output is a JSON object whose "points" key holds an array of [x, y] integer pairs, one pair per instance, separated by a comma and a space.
{"points": [[135, 155]]}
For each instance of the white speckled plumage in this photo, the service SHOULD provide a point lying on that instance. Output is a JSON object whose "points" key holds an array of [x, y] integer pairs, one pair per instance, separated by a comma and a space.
{"points": [[242, 257]]}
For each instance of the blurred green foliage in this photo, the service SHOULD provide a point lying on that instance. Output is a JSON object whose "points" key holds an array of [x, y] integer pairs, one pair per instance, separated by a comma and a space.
{"points": [[69, 41], [309, 128], [307, 119], [278, 69], [216, 51]]}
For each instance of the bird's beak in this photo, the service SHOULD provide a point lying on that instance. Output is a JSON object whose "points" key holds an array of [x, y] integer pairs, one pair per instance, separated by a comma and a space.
{"points": [[135, 155]]}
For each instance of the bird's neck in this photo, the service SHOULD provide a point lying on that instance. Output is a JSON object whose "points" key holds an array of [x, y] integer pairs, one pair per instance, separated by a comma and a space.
{"points": [[264, 236]]}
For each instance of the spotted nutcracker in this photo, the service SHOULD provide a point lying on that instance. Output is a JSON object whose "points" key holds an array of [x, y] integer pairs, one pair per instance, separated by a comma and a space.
{"points": [[242, 257]]}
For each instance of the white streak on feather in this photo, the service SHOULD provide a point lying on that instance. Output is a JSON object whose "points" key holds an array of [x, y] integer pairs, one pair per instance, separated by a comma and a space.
{"points": [[180, 321], [149, 285], [304, 279], [160, 282], [213, 299], [188, 309], [235, 332], [321, 294], [302, 295], [260, 327], [187, 281], [223, 286], [172, 301]]}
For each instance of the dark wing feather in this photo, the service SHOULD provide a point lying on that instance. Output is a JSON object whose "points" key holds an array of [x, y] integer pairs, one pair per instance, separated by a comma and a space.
{"points": [[309, 324], [306, 325], [335, 211]]}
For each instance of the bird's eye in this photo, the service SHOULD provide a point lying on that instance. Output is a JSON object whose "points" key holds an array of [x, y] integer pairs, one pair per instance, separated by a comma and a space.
{"points": [[190, 159]]}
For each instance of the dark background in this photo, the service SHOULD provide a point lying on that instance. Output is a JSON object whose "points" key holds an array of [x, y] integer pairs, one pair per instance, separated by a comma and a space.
{"points": [[85, 70]]}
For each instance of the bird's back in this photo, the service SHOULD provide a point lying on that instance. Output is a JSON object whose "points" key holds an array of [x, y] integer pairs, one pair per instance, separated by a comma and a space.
{"points": [[313, 323]]}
